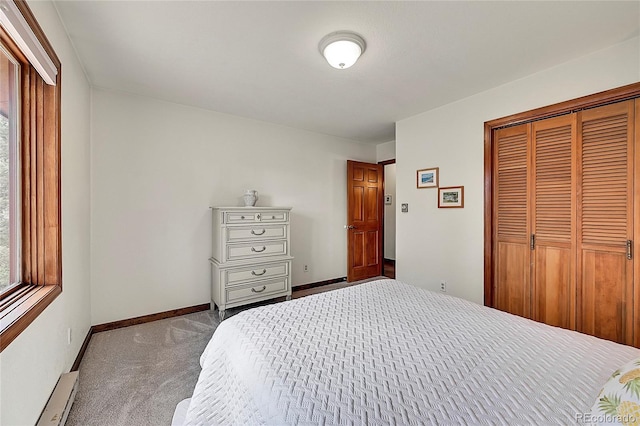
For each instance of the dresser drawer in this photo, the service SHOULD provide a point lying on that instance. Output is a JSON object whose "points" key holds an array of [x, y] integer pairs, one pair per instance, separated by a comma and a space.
{"points": [[241, 217], [257, 290], [256, 250], [274, 216], [247, 233], [242, 275]]}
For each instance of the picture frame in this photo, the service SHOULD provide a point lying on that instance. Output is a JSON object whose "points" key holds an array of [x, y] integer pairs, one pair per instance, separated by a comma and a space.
{"points": [[451, 197], [427, 178]]}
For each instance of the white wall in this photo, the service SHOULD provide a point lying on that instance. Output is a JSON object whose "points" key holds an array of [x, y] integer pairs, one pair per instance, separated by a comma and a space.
{"points": [[447, 244], [157, 167], [31, 364], [390, 212], [386, 151]]}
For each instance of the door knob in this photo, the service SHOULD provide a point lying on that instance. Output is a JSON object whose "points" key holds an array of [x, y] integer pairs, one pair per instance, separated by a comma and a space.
{"points": [[350, 227]]}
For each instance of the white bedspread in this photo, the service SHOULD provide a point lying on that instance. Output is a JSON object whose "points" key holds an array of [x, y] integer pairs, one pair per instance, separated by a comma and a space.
{"points": [[389, 353]]}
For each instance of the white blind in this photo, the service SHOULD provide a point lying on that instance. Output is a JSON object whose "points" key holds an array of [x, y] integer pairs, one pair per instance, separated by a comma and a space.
{"points": [[16, 26]]}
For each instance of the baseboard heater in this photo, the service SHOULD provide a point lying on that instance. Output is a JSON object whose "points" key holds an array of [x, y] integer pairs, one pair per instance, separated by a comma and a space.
{"points": [[57, 409]]}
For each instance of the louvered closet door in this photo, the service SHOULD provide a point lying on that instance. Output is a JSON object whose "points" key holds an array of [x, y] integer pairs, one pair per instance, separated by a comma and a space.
{"points": [[605, 221], [511, 248], [553, 213]]}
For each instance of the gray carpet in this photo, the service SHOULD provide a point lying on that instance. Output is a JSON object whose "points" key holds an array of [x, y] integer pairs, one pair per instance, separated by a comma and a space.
{"points": [[137, 375]]}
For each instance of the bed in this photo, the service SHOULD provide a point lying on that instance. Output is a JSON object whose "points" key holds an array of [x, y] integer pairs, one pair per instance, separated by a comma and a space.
{"points": [[386, 352]]}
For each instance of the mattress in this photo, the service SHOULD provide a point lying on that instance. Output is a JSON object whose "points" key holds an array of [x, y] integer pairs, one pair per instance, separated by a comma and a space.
{"points": [[386, 352]]}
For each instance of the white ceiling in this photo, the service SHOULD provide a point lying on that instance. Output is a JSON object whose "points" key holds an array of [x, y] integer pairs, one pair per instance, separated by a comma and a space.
{"points": [[260, 59]]}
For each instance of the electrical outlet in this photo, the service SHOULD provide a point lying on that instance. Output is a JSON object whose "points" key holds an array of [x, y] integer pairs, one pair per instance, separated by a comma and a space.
{"points": [[69, 336], [306, 268], [443, 286]]}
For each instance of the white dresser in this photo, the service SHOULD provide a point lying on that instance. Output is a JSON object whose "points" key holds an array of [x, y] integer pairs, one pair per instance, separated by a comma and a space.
{"points": [[251, 258]]}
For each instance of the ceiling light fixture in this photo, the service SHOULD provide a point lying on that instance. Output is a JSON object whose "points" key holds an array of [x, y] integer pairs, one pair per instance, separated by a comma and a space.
{"points": [[342, 48]]}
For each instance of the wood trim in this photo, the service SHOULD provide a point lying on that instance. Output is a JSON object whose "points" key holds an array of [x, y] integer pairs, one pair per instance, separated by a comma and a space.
{"points": [[618, 94], [488, 216], [387, 162], [58, 124], [28, 311], [390, 261], [636, 229], [149, 318], [23, 7], [597, 99], [318, 284], [83, 349], [6, 39], [41, 190]]}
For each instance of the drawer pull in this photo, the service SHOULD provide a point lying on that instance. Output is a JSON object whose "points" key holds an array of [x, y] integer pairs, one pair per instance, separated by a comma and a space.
{"points": [[242, 217], [273, 217], [264, 271], [264, 287], [253, 249], [254, 232]]}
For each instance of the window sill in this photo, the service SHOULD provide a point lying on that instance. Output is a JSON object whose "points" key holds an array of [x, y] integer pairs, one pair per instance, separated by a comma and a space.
{"points": [[21, 307]]}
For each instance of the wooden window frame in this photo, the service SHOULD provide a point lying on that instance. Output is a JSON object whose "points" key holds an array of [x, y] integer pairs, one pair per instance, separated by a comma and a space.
{"points": [[41, 215], [619, 94]]}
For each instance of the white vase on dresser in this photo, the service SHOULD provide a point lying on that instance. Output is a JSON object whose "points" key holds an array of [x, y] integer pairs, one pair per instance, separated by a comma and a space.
{"points": [[251, 258]]}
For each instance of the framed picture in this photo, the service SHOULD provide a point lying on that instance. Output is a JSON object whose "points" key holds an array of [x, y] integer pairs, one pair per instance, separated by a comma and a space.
{"points": [[428, 178], [451, 197]]}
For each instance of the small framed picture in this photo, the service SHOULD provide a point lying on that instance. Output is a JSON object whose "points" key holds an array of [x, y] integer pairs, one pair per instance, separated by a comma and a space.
{"points": [[451, 197], [428, 178]]}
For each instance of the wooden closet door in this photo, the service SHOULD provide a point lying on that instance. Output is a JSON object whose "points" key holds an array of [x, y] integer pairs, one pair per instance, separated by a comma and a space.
{"points": [[636, 226], [511, 227], [605, 221], [553, 213]]}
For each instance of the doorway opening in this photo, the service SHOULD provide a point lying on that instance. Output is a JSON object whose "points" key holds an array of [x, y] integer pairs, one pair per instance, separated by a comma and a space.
{"points": [[389, 222]]}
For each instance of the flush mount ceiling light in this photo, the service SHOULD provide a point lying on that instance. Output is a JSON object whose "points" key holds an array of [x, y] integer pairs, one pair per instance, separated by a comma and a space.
{"points": [[342, 48]]}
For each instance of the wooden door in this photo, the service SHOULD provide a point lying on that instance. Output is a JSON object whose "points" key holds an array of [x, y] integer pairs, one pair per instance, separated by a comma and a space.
{"points": [[511, 215], [605, 221], [636, 226], [364, 220], [553, 214]]}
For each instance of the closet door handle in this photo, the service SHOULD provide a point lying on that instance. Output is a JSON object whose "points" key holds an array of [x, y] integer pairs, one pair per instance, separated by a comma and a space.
{"points": [[253, 232], [264, 287], [253, 249], [532, 241], [264, 271], [629, 249]]}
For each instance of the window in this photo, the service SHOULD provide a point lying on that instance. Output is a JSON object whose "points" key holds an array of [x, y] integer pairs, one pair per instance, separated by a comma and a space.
{"points": [[30, 215], [9, 176]]}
